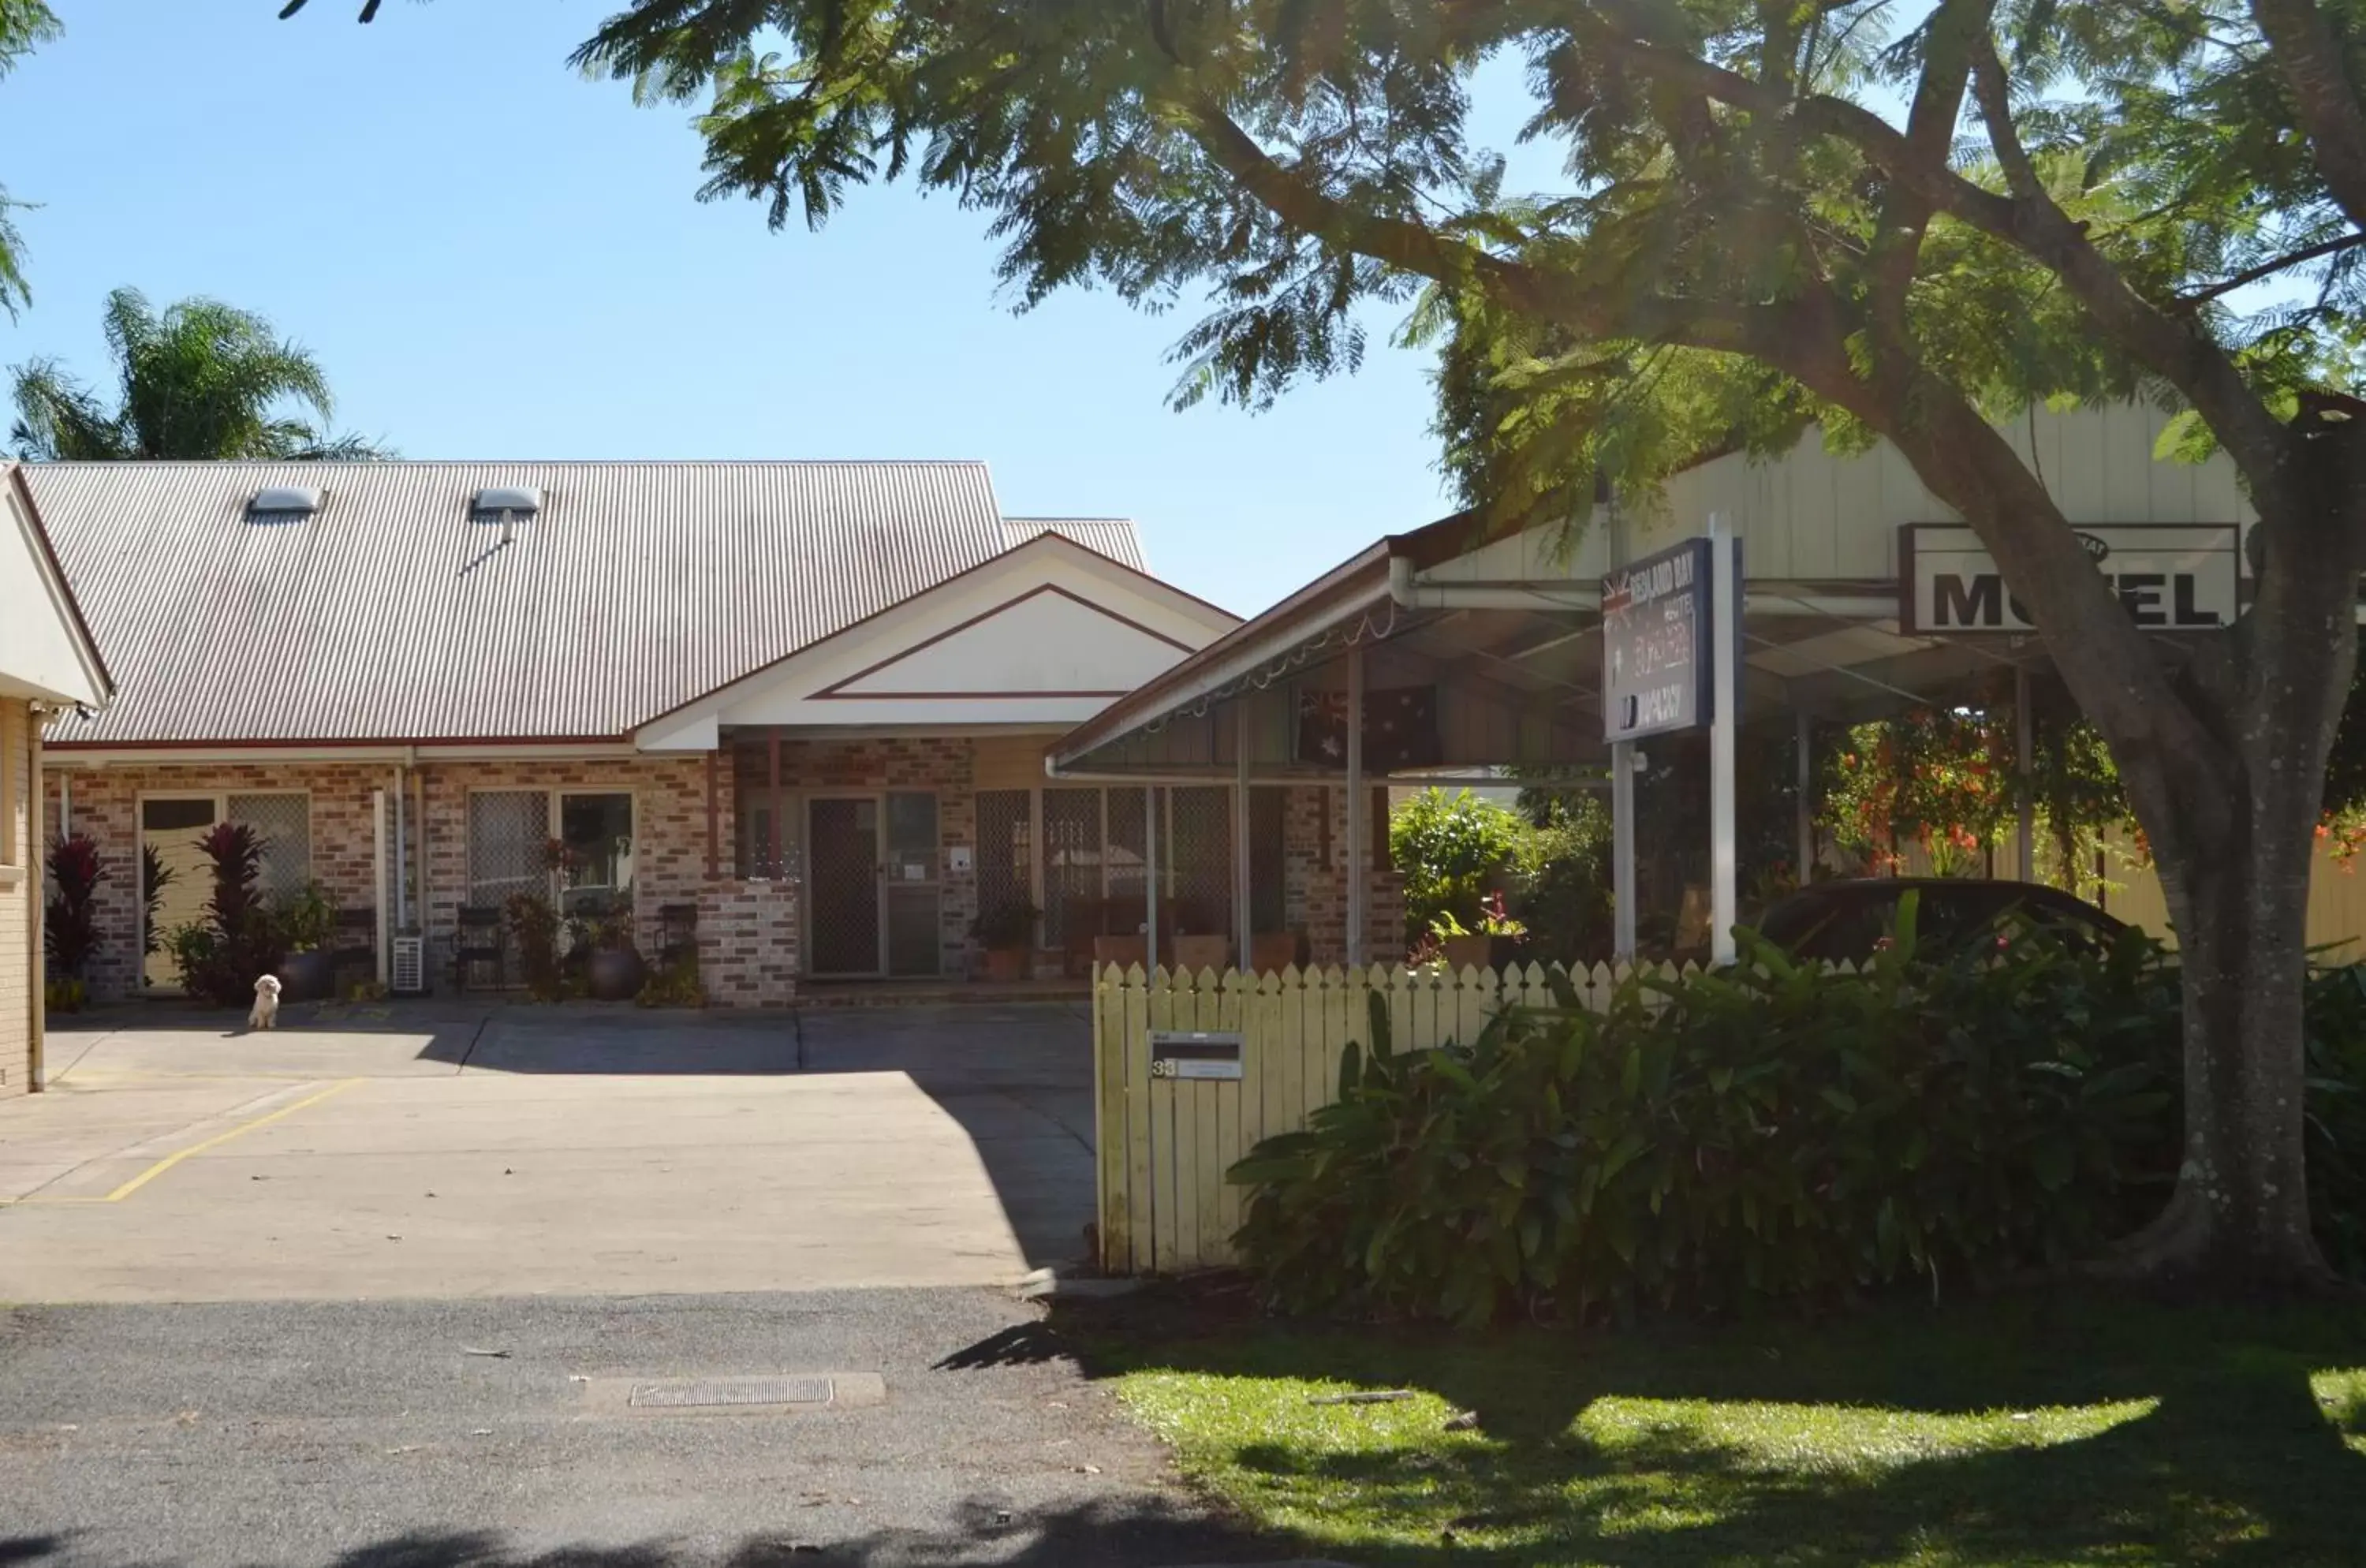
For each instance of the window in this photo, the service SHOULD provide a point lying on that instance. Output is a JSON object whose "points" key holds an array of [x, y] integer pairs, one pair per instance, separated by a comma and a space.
{"points": [[510, 835], [597, 832], [507, 831]]}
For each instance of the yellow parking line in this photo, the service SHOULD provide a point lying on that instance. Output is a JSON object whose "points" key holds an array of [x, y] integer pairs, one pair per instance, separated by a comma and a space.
{"points": [[217, 1141]]}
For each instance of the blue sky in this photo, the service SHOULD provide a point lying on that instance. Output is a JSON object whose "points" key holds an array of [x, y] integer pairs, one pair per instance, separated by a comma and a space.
{"points": [[495, 258]]}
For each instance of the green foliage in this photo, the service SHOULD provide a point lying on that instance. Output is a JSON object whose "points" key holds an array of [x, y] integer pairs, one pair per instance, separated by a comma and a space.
{"points": [[62, 993], [1452, 851], [203, 381], [1564, 891], [154, 877], [307, 921], [535, 926], [23, 25], [69, 918], [674, 984], [1770, 1132], [220, 957], [2335, 1129]]}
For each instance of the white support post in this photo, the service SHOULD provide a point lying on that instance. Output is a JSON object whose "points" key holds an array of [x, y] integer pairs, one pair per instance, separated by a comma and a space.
{"points": [[378, 880], [401, 851], [1150, 870], [1805, 864], [1622, 850], [2024, 741], [1356, 807], [1241, 863], [1725, 723]]}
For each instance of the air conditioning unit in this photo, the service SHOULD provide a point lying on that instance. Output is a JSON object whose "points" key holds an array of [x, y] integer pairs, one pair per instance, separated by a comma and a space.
{"points": [[407, 973]]}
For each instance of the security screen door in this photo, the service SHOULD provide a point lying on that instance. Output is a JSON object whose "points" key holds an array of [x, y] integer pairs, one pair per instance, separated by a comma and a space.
{"points": [[843, 878]]}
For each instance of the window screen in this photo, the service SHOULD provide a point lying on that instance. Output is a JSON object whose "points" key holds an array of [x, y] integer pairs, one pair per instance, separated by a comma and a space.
{"points": [[284, 825], [507, 831]]}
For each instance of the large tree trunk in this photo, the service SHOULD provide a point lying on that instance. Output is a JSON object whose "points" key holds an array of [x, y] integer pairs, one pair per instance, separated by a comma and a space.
{"points": [[2225, 765], [2239, 845], [2239, 1212]]}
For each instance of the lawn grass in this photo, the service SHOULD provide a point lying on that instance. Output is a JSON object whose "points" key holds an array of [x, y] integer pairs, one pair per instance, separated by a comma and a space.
{"points": [[2056, 1430]]}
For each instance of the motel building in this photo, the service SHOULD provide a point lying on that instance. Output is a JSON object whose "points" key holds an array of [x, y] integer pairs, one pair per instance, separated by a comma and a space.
{"points": [[812, 722]]}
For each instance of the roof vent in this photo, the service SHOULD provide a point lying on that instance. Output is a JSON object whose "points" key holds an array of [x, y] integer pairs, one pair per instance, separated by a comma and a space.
{"points": [[505, 501], [279, 502]]}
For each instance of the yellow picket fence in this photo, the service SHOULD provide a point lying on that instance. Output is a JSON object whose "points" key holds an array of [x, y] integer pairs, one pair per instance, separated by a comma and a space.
{"points": [[1165, 1144]]}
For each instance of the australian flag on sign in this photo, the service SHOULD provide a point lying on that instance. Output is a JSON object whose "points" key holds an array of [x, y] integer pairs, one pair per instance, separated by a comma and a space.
{"points": [[1399, 728]]}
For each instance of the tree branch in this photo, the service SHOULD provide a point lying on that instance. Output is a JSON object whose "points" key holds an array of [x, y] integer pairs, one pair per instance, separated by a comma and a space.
{"points": [[1929, 128], [2269, 269], [1763, 330], [2308, 57], [2177, 350]]}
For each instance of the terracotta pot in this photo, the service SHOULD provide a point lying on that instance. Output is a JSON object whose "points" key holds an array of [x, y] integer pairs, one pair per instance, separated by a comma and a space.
{"points": [[1198, 953], [1272, 952], [1468, 952], [1004, 964], [308, 976], [617, 974], [1108, 950]]}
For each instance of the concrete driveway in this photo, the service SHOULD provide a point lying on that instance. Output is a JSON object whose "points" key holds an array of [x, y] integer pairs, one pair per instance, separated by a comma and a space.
{"points": [[428, 1151]]}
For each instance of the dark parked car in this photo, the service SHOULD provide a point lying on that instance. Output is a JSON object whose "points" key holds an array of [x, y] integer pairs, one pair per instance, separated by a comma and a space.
{"points": [[1833, 921]]}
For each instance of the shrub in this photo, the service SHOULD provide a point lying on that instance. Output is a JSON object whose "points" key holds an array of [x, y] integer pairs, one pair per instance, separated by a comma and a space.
{"points": [[219, 958], [154, 877], [674, 984], [1772, 1133], [534, 924], [1564, 893], [1451, 849], [69, 918], [309, 919], [2336, 1124]]}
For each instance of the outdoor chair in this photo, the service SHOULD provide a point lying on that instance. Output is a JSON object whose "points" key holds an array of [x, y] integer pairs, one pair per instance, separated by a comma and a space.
{"points": [[677, 935], [477, 938], [353, 944]]}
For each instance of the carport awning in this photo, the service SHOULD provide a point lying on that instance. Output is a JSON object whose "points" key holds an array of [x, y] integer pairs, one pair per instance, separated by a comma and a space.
{"points": [[1511, 671]]}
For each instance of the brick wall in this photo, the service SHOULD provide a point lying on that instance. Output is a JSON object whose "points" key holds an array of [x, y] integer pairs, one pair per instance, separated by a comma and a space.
{"points": [[107, 808], [1315, 892], [668, 831], [20, 884], [946, 766], [748, 944]]}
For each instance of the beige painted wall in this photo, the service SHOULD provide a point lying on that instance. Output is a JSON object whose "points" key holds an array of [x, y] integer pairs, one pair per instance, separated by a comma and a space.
{"points": [[20, 886]]}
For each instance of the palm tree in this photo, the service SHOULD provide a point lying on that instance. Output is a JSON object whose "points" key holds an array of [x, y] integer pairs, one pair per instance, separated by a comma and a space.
{"points": [[23, 24], [201, 380]]}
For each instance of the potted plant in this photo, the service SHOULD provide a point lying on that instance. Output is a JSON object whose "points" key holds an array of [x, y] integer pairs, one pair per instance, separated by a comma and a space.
{"points": [[1007, 932], [307, 921], [221, 955], [617, 972], [1457, 943], [1504, 933]]}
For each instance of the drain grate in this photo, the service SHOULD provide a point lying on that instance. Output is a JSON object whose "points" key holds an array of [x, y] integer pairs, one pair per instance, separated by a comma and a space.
{"points": [[697, 1394]]}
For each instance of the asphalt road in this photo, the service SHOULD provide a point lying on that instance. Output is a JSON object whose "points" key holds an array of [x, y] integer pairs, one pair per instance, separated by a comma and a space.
{"points": [[369, 1435]]}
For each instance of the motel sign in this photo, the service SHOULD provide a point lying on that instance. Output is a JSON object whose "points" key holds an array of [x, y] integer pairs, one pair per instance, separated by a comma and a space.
{"points": [[2170, 577]]}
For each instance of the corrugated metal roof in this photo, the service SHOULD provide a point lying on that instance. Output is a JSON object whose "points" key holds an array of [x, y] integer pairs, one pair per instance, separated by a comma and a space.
{"points": [[390, 615], [1115, 537]]}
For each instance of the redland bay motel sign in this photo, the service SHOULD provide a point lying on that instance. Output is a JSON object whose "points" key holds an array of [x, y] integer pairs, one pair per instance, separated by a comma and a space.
{"points": [[2171, 577]]}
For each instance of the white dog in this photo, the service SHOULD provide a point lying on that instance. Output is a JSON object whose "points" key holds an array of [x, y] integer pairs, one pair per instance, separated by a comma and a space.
{"points": [[266, 1004]]}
